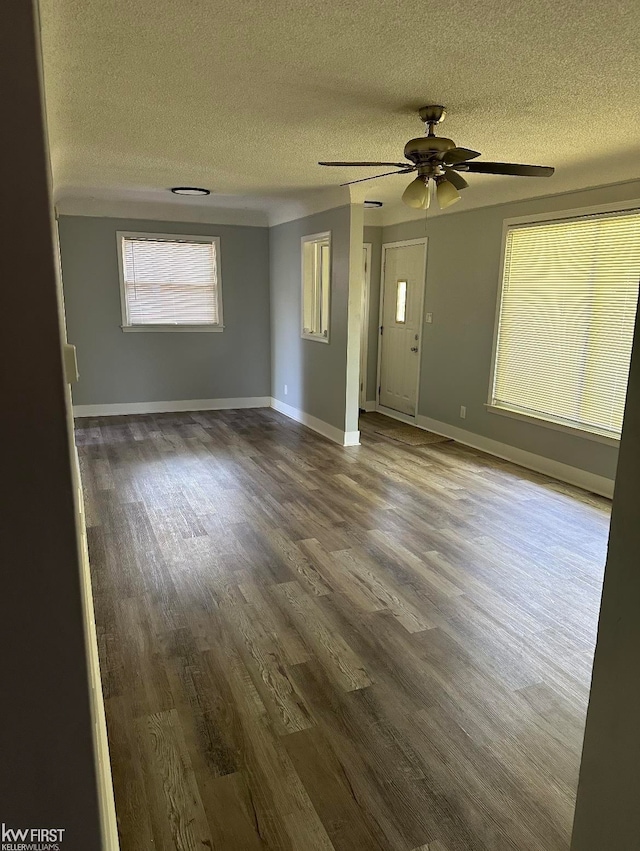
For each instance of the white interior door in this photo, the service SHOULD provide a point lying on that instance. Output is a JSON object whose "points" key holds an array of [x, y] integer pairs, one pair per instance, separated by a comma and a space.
{"points": [[402, 297]]}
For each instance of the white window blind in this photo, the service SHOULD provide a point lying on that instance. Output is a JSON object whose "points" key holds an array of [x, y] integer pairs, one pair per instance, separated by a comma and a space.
{"points": [[567, 314], [170, 281]]}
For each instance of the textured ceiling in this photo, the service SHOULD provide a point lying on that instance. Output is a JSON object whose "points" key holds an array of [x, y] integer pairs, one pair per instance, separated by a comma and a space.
{"points": [[244, 97]]}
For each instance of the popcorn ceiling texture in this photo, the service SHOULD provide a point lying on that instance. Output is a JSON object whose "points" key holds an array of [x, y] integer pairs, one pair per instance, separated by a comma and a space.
{"points": [[245, 97]]}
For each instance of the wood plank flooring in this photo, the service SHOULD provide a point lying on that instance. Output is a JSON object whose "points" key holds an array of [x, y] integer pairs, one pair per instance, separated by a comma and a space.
{"points": [[310, 648]]}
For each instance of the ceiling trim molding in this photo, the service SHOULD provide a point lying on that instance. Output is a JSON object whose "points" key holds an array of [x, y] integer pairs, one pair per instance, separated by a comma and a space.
{"points": [[398, 214], [273, 210], [276, 211], [305, 204], [123, 208], [373, 218]]}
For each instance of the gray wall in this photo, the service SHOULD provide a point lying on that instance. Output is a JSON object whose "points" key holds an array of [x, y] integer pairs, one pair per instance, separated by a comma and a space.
{"points": [[117, 366], [463, 274], [314, 372], [47, 776], [608, 810], [373, 235]]}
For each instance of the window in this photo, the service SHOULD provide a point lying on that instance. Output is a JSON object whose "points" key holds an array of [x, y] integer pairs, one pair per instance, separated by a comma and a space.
{"points": [[401, 302], [566, 320], [316, 266], [170, 282]]}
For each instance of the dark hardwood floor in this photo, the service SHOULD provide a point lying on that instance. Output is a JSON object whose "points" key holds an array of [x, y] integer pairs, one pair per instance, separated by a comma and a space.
{"points": [[305, 648]]}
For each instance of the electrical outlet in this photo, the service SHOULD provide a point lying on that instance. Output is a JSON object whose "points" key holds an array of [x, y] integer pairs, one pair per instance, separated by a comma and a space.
{"points": [[463, 412], [428, 318], [286, 389]]}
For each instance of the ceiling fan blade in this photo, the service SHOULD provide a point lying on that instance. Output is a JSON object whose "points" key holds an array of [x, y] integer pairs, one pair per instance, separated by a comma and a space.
{"points": [[507, 168], [457, 179], [359, 164], [376, 176], [459, 155]]}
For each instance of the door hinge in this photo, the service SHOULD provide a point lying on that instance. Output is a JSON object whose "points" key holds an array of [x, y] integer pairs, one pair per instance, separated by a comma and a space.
{"points": [[381, 329]]}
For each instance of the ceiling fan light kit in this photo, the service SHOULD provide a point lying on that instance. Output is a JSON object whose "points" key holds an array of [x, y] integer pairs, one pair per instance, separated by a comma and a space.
{"points": [[446, 192], [439, 161], [417, 194]]}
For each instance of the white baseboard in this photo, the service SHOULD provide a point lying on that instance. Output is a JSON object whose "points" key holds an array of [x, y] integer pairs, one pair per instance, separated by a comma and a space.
{"points": [[538, 463], [351, 438], [348, 438], [368, 407], [120, 408], [343, 438], [555, 469]]}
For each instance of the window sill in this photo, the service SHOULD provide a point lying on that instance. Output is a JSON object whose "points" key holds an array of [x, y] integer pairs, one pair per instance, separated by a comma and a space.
{"points": [[316, 338], [180, 328], [540, 421]]}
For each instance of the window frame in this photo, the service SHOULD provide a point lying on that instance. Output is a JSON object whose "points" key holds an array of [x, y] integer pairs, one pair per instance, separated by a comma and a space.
{"points": [[535, 219], [315, 238], [126, 325]]}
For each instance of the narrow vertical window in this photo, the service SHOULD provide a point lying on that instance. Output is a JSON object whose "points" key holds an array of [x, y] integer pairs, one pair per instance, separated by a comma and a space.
{"points": [[401, 302], [316, 284]]}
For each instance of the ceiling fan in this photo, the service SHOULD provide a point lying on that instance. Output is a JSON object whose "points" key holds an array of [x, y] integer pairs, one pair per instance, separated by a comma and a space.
{"points": [[439, 162]]}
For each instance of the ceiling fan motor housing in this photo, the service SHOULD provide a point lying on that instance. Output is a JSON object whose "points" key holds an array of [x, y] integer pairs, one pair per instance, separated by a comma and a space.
{"points": [[426, 148], [433, 113]]}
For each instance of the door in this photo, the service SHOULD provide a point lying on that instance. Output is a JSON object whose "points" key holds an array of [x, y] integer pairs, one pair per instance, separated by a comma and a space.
{"points": [[400, 332], [364, 319]]}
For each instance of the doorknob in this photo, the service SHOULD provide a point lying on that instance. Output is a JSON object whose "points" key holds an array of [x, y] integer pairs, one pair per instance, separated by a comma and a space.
{"points": [[414, 348]]}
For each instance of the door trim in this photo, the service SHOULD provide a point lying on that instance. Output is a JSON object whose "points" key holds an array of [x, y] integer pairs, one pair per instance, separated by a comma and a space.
{"points": [[364, 325], [401, 244]]}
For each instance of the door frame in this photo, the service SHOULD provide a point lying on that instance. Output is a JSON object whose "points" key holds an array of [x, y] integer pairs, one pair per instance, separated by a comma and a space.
{"points": [[364, 326], [398, 415]]}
